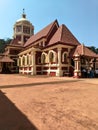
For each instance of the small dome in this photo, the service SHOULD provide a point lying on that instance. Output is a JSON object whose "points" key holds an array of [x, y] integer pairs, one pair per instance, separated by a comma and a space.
{"points": [[22, 20]]}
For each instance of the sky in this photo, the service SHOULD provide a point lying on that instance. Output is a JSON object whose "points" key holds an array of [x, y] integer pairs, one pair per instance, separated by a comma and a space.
{"points": [[80, 16]]}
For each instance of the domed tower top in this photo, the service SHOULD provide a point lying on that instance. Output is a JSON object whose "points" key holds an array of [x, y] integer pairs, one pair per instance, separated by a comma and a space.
{"points": [[23, 29], [23, 18]]}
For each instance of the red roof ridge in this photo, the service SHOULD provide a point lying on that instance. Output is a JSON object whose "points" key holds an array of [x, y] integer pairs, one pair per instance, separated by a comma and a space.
{"points": [[55, 22], [69, 35], [42, 33], [61, 26], [64, 35], [83, 50]]}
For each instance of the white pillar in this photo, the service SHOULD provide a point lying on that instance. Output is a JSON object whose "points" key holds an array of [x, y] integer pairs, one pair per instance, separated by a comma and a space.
{"points": [[77, 71], [25, 60], [33, 54], [59, 56], [22, 36], [20, 61], [59, 71]]}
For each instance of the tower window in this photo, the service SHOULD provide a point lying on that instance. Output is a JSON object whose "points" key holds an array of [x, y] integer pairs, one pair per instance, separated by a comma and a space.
{"points": [[18, 37], [18, 29], [26, 30]]}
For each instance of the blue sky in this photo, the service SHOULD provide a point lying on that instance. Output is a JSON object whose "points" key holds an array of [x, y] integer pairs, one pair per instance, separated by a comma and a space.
{"points": [[80, 16]]}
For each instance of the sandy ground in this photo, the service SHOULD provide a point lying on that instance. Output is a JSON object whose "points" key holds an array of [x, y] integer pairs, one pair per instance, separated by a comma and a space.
{"points": [[48, 103]]}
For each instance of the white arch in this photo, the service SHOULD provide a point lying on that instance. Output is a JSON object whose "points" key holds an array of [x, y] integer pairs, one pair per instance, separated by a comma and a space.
{"points": [[43, 55], [54, 56], [63, 56]]}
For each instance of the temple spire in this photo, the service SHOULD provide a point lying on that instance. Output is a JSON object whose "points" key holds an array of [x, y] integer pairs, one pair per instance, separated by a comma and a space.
{"points": [[23, 15], [23, 11], [83, 49]]}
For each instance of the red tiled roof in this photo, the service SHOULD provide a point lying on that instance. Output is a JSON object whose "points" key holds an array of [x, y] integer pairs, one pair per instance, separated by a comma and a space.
{"points": [[63, 35], [6, 53], [43, 33], [84, 51], [6, 59], [14, 42]]}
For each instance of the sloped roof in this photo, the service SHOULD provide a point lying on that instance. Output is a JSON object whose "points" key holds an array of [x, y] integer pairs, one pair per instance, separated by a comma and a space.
{"points": [[83, 51], [6, 59], [41, 34], [64, 35], [14, 42], [5, 53]]}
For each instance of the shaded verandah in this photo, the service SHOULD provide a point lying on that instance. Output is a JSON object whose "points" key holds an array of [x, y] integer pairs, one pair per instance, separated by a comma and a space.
{"points": [[85, 59], [6, 64]]}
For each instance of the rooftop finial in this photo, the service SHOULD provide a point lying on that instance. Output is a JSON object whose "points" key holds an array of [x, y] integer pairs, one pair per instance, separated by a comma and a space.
{"points": [[83, 49], [24, 15], [23, 11]]}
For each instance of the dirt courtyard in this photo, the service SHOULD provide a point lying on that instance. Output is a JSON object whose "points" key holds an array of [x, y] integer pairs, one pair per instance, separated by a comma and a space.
{"points": [[48, 103]]}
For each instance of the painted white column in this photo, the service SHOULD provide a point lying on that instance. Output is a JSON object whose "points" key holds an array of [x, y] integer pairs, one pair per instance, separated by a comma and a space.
{"points": [[77, 71], [25, 60], [59, 71], [59, 56], [21, 64], [49, 69], [20, 61], [22, 36], [29, 59], [33, 54], [30, 31]]}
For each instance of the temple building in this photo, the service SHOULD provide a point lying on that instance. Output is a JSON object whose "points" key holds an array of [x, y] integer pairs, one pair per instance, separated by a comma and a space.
{"points": [[22, 31], [53, 51]]}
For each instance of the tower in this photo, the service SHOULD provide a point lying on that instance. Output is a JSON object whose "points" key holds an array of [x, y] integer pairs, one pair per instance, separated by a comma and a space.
{"points": [[23, 29]]}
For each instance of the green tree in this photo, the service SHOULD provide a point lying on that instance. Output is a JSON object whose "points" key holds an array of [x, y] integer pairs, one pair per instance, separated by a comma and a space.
{"points": [[97, 50], [94, 49], [8, 40], [3, 44]]}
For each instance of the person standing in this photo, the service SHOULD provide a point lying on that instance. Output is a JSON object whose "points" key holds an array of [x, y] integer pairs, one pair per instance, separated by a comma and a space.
{"points": [[91, 73], [84, 73], [88, 73]]}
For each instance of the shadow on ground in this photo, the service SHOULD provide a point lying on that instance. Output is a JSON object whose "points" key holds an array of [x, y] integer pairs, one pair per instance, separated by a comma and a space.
{"points": [[38, 83], [11, 118]]}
